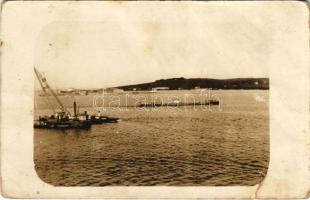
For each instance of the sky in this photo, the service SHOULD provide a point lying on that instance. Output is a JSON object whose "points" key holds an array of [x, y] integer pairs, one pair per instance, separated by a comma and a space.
{"points": [[122, 51]]}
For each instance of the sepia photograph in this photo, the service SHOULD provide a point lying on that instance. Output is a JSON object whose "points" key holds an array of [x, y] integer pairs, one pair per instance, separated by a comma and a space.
{"points": [[155, 99], [175, 107]]}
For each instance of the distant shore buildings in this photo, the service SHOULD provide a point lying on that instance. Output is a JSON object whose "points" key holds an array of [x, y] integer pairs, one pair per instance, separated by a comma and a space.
{"points": [[113, 90], [84, 92], [73, 91], [160, 88]]}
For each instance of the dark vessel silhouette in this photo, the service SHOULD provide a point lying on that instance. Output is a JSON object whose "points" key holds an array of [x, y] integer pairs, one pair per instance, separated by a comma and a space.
{"points": [[179, 103]]}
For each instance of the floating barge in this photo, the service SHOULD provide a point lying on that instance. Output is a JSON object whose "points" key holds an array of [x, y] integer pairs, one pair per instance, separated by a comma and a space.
{"points": [[68, 123], [63, 119], [61, 123]]}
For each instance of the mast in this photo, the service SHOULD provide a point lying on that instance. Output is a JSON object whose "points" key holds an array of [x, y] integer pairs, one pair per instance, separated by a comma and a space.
{"points": [[45, 86]]}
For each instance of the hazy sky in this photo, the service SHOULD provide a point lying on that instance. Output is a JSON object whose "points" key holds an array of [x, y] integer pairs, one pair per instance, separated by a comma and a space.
{"points": [[113, 53]]}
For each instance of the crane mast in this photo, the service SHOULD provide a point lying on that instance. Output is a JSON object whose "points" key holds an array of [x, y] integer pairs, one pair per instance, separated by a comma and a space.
{"points": [[45, 86]]}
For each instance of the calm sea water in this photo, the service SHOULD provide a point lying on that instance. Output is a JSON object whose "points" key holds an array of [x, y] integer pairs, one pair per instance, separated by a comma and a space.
{"points": [[182, 146]]}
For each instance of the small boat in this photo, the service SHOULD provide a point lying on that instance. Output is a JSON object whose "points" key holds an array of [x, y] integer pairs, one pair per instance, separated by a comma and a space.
{"points": [[95, 119], [103, 119]]}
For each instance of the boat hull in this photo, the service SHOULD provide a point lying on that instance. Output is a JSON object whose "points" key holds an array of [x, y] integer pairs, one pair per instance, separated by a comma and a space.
{"points": [[70, 124]]}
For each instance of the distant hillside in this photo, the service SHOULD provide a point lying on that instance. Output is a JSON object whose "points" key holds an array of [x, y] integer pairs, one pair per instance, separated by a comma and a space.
{"points": [[182, 83]]}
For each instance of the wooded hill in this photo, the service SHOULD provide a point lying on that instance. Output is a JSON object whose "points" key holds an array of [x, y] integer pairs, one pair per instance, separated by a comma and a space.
{"points": [[183, 83]]}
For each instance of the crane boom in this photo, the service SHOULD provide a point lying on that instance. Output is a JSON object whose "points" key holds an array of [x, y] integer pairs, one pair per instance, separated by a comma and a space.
{"points": [[45, 86]]}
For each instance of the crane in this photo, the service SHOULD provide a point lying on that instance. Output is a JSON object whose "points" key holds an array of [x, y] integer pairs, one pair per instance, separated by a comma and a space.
{"points": [[45, 87]]}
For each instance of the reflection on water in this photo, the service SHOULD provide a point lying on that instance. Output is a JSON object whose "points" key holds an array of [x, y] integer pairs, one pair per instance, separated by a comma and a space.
{"points": [[163, 147]]}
